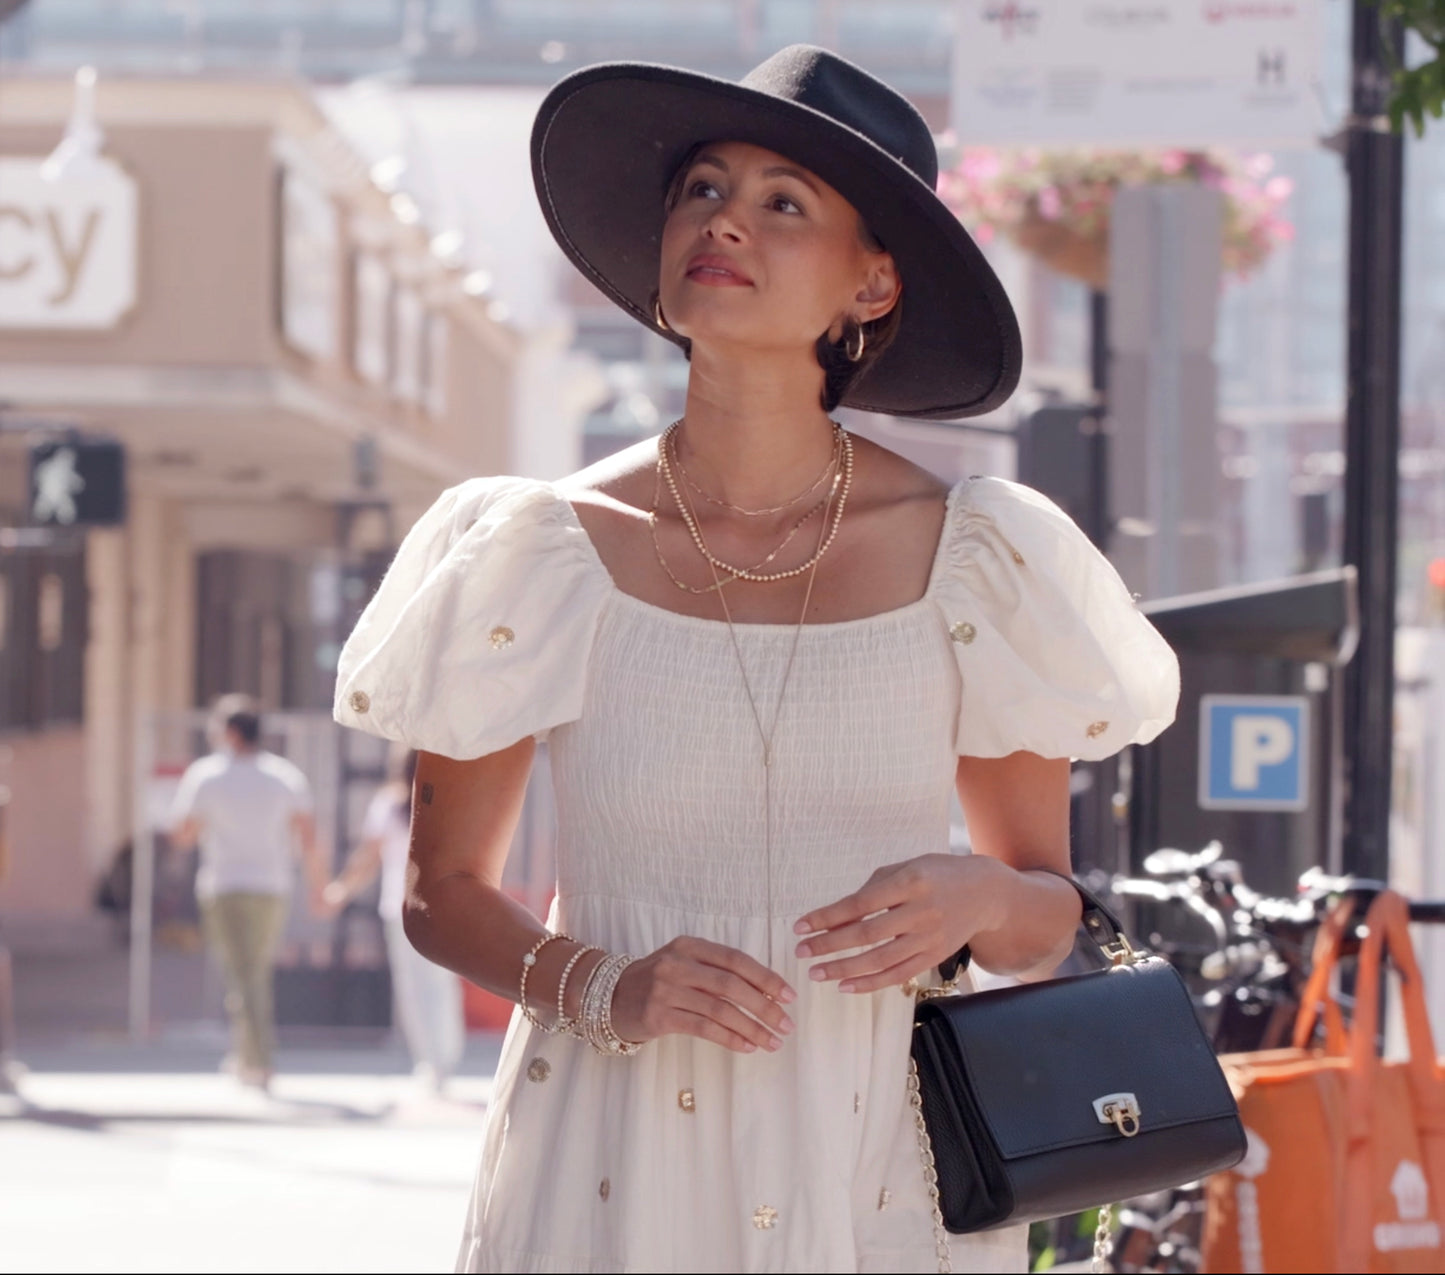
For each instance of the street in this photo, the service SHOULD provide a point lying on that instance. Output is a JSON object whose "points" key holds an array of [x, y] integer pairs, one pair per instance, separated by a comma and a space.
{"points": [[123, 1169]]}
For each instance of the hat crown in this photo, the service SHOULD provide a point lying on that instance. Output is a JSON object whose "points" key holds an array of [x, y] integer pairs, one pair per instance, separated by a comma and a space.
{"points": [[847, 94]]}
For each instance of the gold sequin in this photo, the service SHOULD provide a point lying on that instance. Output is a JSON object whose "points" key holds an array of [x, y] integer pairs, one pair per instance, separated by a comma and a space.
{"points": [[538, 1070], [360, 701], [765, 1217], [1096, 729], [686, 1100], [962, 632], [1018, 557], [604, 1189], [501, 637], [857, 1103], [883, 1197]]}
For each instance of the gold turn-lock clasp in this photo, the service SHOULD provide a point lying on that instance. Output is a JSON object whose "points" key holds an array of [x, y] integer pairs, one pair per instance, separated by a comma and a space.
{"points": [[1120, 1110]]}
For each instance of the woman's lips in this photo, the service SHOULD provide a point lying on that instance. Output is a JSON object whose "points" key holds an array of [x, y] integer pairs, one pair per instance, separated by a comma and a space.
{"points": [[717, 272]]}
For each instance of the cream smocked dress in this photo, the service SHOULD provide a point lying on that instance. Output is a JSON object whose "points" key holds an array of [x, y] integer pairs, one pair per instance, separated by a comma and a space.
{"points": [[498, 620]]}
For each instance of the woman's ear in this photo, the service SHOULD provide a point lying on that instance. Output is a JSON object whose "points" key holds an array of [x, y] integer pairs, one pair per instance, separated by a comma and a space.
{"points": [[880, 291]]}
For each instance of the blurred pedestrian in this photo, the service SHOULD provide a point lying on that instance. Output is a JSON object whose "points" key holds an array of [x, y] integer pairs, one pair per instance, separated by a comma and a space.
{"points": [[428, 998], [250, 811], [765, 654]]}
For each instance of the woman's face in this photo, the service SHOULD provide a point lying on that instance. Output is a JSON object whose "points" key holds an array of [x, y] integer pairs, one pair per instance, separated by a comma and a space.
{"points": [[760, 252]]}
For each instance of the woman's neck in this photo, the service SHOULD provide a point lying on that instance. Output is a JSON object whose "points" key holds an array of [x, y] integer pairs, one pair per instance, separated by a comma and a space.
{"points": [[754, 428]]}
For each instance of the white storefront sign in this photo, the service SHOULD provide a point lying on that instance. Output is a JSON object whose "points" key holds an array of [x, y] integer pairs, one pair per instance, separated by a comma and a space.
{"points": [[1137, 72], [68, 247]]}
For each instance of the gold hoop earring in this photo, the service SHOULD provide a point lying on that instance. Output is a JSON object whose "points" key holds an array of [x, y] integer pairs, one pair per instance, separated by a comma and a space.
{"points": [[657, 316], [854, 353]]}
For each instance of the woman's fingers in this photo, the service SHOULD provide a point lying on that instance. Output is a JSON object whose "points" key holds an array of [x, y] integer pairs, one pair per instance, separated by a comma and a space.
{"points": [[692, 979], [894, 976], [689, 1024], [886, 889], [729, 1017], [770, 983], [729, 987], [867, 932], [885, 956]]}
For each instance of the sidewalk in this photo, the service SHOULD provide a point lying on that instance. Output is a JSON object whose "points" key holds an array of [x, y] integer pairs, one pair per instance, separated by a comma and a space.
{"points": [[141, 1160], [138, 1157]]}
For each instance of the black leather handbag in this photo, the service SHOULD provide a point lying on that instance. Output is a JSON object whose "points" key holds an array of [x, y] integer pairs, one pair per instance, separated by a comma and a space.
{"points": [[1049, 1098]]}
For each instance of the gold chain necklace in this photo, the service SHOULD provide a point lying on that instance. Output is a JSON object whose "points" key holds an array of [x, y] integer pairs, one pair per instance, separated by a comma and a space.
{"points": [[712, 588], [767, 734], [842, 485], [676, 459], [716, 585]]}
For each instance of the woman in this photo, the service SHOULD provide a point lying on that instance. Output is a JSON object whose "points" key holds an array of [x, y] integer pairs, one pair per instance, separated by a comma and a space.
{"points": [[764, 653], [428, 998]]}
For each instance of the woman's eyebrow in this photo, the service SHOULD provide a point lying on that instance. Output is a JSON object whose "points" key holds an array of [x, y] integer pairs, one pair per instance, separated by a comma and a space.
{"points": [[785, 170]]}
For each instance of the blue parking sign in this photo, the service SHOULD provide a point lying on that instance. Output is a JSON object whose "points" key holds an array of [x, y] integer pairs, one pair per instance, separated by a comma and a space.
{"points": [[1254, 752]]}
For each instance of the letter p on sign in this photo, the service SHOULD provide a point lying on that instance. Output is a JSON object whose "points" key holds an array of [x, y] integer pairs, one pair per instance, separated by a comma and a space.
{"points": [[1254, 752]]}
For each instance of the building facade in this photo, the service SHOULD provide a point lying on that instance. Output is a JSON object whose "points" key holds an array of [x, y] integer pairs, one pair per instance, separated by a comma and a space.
{"points": [[293, 369]]}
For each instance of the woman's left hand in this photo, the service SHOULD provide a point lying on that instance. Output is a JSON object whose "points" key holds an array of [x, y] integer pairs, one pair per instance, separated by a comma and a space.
{"points": [[909, 916]]}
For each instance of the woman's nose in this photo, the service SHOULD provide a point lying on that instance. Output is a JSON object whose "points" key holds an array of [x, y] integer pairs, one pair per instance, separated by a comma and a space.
{"points": [[725, 223]]}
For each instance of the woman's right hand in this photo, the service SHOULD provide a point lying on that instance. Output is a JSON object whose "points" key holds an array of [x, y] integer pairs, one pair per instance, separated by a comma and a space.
{"points": [[691, 987]]}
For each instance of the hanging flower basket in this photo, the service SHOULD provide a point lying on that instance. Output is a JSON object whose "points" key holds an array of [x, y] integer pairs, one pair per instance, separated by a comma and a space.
{"points": [[1081, 255], [1055, 204]]}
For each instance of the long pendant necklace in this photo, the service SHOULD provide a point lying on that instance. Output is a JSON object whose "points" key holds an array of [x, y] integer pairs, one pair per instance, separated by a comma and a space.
{"points": [[767, 734]]}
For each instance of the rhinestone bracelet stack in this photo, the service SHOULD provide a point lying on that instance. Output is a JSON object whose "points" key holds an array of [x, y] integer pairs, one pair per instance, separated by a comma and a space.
{"points": [[594, 1021], [595, 1025]]}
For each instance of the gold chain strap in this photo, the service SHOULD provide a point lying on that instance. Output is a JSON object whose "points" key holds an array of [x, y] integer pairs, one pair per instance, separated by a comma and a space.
{"points": [[1103, 1233], [930, 1172], [1103, 1240]]}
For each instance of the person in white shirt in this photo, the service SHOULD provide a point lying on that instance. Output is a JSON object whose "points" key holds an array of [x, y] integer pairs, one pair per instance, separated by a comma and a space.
{"points": [[428, 998], [250, 811]]}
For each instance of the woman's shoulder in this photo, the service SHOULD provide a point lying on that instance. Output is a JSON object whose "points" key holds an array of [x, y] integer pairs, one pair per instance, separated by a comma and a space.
{"points": [[1055, 655], [496, 589]]}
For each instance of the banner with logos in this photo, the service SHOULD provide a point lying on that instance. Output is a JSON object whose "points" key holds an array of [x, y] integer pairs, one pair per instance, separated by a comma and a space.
{"points": [[68, 246], [1138, 72]]}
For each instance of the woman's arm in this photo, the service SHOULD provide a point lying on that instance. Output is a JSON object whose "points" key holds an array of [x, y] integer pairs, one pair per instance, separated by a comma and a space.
{"points": [[1017, 809], [1004, 900], [356, 874], [456, 914]]}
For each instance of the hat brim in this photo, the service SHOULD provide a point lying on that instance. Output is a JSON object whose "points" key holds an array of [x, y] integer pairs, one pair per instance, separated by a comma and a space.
{"points": [[608, 140]]}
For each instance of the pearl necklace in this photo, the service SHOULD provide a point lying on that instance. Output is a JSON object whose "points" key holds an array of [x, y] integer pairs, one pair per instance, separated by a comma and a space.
{"points": [[842, 484]]}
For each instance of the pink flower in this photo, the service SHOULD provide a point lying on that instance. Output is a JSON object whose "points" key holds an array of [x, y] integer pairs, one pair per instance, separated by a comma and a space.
{"points": [[1279, 188], [1049, 203]]}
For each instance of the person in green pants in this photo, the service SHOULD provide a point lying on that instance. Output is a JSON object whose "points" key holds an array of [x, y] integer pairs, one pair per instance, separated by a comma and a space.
{"points": [[250, 812]]}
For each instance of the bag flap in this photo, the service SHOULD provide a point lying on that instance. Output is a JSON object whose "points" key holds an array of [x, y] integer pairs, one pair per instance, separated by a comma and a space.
{"points": [[1038, 1055]]}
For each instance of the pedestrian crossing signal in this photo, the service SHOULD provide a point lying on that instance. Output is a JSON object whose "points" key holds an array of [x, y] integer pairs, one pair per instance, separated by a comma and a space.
{"points": [[77, 482]]}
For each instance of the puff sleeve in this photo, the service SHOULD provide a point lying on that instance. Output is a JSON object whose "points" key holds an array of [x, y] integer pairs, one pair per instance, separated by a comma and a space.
{"points": [[1054, 656], [481, 630]]}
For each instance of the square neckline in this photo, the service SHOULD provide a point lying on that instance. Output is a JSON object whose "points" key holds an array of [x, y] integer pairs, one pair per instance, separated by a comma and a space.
{"points": [[893, 614]]}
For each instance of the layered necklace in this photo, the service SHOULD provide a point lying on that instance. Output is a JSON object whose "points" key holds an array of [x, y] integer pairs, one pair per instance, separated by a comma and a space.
{"points": [[834, 501], [831, 506]]}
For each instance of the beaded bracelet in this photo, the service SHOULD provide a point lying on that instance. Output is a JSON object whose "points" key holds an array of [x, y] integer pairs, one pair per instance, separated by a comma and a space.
{"points": [[528, 962], [565, 1024]]}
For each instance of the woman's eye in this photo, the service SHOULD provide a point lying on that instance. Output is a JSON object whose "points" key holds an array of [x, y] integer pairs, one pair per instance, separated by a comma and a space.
{"points": [[781, 203], [702, 190]]}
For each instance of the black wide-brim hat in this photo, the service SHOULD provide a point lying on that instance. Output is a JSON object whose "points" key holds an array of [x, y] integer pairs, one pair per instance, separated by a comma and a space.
{"points": [[609, 139]]}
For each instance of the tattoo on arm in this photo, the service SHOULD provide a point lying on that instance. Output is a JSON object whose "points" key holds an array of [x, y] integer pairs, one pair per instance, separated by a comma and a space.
{"points": [[427, 793]]}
